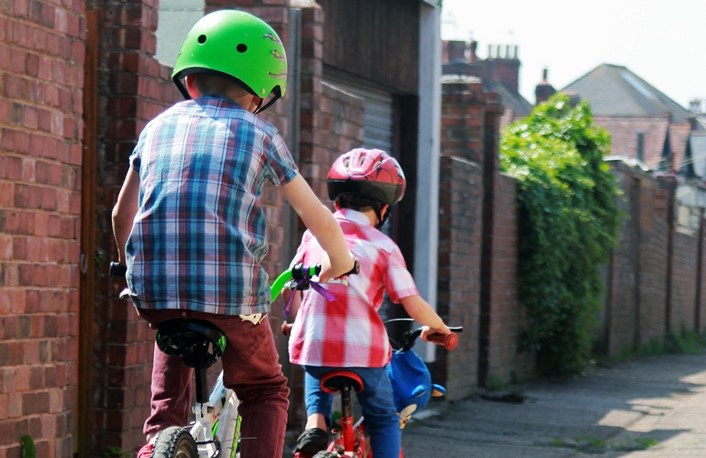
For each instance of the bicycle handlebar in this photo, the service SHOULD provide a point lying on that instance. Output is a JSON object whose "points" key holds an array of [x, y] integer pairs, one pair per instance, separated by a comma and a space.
{"points": [[448, 341], [301, 275], [117, 270], [298, 273]]}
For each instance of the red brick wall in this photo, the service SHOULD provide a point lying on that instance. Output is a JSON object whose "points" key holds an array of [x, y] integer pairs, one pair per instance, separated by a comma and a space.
{"points": [[462, 121], [133, 87], [622, 304], [701, 293], [41, 75], [477, 242], [505, 360], [652, 283], [458, 292], [683, 298], [653, 223]]}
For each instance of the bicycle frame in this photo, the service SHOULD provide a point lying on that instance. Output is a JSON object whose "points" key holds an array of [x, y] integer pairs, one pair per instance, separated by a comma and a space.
{"points": [[215, 431], [220, 420], [350, 438], [216, 426]]}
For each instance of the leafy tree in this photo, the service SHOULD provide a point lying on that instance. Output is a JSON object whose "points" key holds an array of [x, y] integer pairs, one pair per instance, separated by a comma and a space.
{"points": [[569, 222]]}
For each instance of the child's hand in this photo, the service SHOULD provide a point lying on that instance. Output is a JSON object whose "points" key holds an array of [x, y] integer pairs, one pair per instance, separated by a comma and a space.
{"points": [[427, 331], [442, 336], [331, 270], [286, 328]]}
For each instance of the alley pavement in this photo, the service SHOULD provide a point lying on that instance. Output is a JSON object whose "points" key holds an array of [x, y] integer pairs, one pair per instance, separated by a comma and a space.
{"points": [[652, 407]]}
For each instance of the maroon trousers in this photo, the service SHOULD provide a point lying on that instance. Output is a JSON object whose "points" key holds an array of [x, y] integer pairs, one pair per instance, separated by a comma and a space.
{"points": [[250, 367]]}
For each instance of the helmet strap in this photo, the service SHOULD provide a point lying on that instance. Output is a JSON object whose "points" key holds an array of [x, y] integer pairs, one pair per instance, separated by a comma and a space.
{"points": [[276, 94], [382, 219]]}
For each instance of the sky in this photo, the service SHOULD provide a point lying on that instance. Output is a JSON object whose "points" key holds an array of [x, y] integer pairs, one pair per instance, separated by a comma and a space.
{"points": [[660, 41]]}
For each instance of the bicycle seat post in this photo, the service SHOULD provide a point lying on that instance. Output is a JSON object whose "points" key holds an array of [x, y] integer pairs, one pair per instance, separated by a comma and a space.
{"points": [[201, 385], [344, 382], [347, 416]]}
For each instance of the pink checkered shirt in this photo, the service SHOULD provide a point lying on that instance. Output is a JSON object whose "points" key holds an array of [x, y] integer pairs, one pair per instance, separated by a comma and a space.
{"points": [[348, 332]]}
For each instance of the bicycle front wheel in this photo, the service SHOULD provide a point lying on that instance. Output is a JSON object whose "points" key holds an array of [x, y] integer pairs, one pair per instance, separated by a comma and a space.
{"points": [[175, 442]]}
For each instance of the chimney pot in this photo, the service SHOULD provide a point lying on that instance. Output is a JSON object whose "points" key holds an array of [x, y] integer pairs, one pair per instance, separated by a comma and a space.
{"points": [[473, 47]]}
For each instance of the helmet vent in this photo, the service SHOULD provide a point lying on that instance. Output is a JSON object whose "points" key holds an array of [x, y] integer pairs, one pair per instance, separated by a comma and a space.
{"points": [[201, 39], [241, 48]]}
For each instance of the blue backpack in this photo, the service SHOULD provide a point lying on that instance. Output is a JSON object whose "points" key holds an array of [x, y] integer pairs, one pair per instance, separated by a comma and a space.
{"points": [[411, 384]]}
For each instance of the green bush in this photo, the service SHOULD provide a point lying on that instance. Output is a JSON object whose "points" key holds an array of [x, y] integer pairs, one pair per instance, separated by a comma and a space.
{"points": [[568, 224]]}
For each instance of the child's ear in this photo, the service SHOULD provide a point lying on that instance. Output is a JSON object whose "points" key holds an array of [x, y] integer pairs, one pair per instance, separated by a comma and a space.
{"points": [[256, 104], [191, 88]]}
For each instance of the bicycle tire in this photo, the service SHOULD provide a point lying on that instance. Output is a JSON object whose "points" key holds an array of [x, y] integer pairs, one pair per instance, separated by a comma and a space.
{"points": [[175, 442]]}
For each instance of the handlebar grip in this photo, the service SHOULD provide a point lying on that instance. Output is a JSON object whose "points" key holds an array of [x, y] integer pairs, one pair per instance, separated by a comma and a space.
{"points": [[117, 270], [448, 341]]}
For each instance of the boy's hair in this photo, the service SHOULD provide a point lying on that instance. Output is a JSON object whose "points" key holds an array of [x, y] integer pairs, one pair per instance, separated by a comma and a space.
{"points": [[212, 84], [359, 203]]}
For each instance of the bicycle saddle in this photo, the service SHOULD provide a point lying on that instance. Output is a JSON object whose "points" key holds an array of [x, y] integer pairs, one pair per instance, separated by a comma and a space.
{"points": [[198, 343], [337, 380]]}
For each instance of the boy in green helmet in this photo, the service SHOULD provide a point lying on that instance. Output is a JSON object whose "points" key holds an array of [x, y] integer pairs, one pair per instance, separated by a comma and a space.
{"points": [[189, 226]]}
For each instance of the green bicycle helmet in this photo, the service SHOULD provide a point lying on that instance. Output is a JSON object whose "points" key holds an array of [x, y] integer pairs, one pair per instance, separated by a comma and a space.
{"points": [[237, 45]]}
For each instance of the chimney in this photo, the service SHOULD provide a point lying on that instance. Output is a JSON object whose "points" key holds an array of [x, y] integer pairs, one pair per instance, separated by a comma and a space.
{"points": [[455, 51], [543, 90], [505, 69], [472, 47]]}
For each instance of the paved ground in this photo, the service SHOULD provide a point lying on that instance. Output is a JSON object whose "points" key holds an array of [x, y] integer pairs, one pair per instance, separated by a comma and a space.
{"points": [[654, 407]]}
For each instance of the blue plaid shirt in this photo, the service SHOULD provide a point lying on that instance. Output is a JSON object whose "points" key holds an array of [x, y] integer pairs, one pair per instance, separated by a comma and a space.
{"points": [[199, 233]]}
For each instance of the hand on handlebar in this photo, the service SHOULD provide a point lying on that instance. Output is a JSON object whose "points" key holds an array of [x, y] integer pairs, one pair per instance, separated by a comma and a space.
{"points": [[117, 270], [330, 270], [444, 337]]}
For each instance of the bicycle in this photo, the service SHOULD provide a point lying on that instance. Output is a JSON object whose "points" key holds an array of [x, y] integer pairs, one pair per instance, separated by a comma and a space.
{"points": [[411, 380], [215, 429]]}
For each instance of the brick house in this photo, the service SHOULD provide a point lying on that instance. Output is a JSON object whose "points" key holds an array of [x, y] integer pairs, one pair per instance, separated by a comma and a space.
{"points": [[499, 73], [643, 122]]}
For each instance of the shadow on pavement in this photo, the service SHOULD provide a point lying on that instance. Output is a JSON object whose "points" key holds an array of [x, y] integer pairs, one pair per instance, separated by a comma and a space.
{"points": [[652, 407]]}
